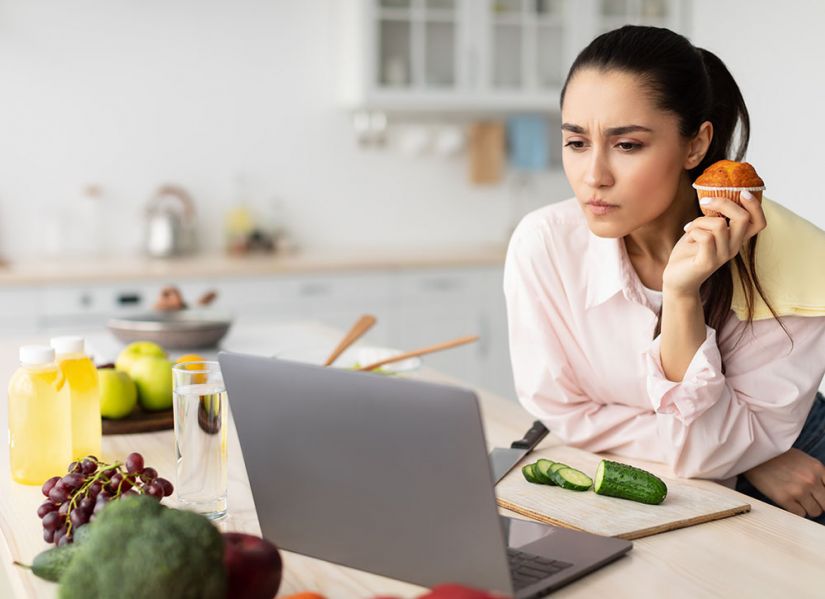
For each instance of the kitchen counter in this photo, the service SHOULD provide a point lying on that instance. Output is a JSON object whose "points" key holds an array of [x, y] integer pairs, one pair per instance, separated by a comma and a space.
{"points": [[765, 553], [42, 272]]}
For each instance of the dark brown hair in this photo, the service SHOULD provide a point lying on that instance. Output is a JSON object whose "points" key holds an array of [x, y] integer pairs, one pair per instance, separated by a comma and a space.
{"points": [[696, 86]]}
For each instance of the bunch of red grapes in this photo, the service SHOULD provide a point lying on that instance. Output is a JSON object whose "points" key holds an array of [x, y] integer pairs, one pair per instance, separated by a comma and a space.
{"points": [[90, 484]]}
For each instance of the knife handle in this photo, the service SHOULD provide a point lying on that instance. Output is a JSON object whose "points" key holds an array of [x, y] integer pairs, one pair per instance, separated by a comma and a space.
{"points": [[532, 437]]}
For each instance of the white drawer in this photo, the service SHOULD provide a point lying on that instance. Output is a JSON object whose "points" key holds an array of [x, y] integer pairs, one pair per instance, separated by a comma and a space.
{"points": [[18, 302], [438, 285], [102, 300]]}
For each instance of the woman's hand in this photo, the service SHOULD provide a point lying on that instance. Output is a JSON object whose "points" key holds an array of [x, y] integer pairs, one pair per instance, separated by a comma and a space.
{"points": [[710, 242], [794, 481]]}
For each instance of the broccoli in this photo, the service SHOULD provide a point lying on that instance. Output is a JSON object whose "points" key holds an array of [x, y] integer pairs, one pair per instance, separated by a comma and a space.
{"points": [[138, 548]]}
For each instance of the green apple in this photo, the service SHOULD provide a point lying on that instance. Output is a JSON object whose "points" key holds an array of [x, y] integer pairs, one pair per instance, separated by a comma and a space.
{"points": [[153, 377], [118, 394], [129, 355]]}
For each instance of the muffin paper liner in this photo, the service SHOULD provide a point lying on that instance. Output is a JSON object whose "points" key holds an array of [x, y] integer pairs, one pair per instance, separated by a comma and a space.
{"points": [[738, 189]]}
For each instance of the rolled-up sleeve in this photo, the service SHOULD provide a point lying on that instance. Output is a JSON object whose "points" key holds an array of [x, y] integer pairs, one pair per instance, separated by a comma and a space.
{"points": [[701, 384], [714, 424]]}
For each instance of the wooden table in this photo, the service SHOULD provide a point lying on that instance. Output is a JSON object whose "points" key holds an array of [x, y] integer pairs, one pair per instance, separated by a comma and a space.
{"points": [[765, 553]]}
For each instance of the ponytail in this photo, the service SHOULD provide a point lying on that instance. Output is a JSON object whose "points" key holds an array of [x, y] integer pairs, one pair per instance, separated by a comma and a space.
{"points": [[726, 111]]}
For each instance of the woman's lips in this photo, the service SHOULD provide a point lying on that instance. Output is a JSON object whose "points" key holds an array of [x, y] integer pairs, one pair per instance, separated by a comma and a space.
{"points": [[600, 208]]}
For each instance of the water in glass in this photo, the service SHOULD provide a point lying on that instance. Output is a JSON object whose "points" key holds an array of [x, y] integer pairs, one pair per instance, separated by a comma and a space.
{"points": [[201, 412]]}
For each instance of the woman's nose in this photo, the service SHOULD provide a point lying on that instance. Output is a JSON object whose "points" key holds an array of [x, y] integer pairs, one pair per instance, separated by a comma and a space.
{"points": [[598, 172]]}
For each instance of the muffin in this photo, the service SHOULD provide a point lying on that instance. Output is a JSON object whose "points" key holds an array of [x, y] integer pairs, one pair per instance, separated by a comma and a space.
{"points": [[728, 179]]}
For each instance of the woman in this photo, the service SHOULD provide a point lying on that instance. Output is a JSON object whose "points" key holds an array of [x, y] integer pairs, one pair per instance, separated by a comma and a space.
{"points": [[622, 333]]}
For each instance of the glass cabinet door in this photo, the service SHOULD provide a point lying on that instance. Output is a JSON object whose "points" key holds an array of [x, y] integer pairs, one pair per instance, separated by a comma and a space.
{"points": [[550, 38], [615, 13], [526, 42], [395, 38], [417, 44], [507, 44], [440, 34]]}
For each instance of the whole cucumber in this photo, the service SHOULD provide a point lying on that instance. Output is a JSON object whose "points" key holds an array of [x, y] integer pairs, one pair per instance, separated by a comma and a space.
{"points": [[52, 563], [628, 482]]}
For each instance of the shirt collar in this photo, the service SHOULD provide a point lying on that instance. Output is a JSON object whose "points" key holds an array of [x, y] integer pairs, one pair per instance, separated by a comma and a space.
{"points": [[609, 272]]}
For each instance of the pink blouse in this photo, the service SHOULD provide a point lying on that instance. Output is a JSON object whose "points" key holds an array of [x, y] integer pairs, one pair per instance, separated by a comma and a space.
{"points": [[586, 364]]}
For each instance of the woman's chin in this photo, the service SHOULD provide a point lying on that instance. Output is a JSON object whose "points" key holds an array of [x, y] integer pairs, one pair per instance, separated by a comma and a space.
{"points": [[607, 229]]}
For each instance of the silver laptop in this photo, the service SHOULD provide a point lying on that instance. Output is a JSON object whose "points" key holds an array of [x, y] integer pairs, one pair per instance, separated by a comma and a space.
{"points": [[390, 476]]}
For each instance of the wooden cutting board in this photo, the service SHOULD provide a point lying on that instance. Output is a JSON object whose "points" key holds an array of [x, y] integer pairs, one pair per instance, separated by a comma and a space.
{"points": [[685, 504], [139, 421]]}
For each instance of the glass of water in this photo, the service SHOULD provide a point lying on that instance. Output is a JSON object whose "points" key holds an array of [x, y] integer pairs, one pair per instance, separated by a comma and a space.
{"points": [[201, 411]]}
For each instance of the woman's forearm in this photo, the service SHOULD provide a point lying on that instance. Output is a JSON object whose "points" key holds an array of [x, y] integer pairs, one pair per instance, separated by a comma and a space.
{"points": [[683, 332]]}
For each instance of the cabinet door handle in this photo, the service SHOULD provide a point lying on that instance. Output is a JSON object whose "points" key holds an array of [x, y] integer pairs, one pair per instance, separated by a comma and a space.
{"points": [[440, 284], [313, 289], [129, 299], [484, 336]]}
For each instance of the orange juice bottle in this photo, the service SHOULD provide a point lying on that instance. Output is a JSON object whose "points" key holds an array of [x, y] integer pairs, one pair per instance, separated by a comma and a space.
{"points": [[81, 375], [40, 431]]}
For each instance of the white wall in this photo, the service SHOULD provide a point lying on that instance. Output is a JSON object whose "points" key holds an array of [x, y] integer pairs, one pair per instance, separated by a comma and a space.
{"points": [[131, 94], [775, 52]]}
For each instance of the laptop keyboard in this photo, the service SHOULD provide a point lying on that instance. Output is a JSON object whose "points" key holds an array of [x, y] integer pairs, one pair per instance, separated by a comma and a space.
{"points": [[527, 569]]}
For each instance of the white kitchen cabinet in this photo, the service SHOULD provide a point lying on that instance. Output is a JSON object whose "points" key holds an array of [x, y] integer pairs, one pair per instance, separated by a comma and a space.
{"points": [[611, 14], [436, 305], [20, 311], [476, 55], [339, 299], [67, 307], [440, 304], [497, 373]]}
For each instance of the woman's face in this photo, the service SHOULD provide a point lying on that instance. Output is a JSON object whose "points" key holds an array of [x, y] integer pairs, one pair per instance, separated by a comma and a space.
{"points": [[623, 156]]}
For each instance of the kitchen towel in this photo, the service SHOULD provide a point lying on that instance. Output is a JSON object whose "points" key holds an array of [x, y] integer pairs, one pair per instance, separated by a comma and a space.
{"points": [[527, 139], [487, 152]]}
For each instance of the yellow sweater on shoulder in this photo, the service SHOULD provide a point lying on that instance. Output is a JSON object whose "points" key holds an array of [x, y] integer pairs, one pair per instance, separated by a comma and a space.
{"points": [[790, 265]]}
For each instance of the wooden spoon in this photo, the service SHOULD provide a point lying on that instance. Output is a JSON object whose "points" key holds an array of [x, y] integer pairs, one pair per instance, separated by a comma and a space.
{"points": [[420, 352], [363, 325]]}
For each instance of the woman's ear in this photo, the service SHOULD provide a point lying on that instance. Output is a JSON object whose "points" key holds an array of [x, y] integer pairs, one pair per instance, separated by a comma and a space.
{"points": [[698, 146]]}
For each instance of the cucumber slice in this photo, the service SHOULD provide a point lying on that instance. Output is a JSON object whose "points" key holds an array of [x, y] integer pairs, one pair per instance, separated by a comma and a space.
{"points": [[575, 480], [555, 468], [541, 470], [627, 482], [530, 475]]}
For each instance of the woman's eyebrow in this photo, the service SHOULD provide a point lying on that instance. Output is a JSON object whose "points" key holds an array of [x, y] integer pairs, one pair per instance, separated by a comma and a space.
{"points": [[611, 132]]}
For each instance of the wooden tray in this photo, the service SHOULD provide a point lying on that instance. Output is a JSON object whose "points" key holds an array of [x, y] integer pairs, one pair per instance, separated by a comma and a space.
{"points": [[686, 504], [139, 421]]}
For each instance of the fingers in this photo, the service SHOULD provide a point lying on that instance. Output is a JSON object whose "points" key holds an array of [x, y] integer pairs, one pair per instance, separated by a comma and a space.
{"points": [[808, 485], [746, 216], [812, 507], [737, 227], [754, 208], [818, 494], [793, 507], [728, 240], [706, 250]]}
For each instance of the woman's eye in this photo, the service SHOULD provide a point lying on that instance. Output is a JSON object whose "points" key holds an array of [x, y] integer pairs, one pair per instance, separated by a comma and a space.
{"points": [[575, 144], [628, 146]]}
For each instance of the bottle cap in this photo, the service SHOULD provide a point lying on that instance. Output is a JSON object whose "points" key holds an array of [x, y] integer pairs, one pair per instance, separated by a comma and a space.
{"points": [[34, 355], [67, 345]]}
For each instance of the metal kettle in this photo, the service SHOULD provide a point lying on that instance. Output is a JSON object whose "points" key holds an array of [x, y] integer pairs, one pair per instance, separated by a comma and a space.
{"points": [[170, 223]]}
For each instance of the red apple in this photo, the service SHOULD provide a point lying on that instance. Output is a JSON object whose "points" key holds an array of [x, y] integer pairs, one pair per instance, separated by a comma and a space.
{"points": [[456, 591], [253, 566]]}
